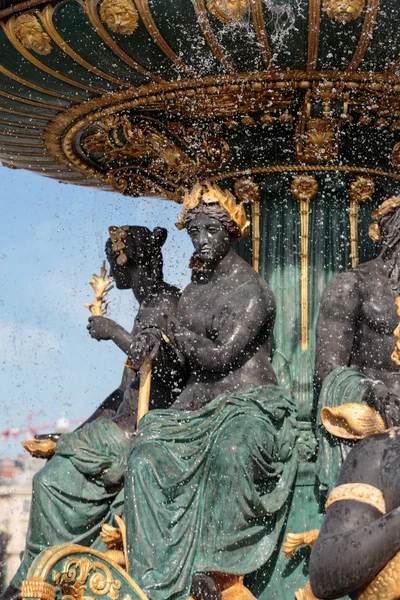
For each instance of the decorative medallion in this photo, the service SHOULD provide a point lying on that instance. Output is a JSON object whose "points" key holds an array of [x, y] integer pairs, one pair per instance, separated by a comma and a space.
{"points": [[120, 16], [304, 187], [31, 35], [396, 155], [343, 11], [361, 189], [228, 12]]}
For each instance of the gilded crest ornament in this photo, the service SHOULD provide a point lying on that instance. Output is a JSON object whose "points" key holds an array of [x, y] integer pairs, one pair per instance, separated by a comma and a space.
{"points": [[120, 16], [228, 12], [343, 11], [317, 140], [31, 35]]}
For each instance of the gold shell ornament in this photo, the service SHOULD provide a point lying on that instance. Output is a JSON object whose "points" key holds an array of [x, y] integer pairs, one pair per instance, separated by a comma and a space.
{"points": [[120, 16], [352, 421], [228, 12], [31, 35], [343, 11]]}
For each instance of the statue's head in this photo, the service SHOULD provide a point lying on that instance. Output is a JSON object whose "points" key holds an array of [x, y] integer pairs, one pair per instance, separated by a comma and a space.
{"points": [[214, 220], [130, 246], [386, 228]]}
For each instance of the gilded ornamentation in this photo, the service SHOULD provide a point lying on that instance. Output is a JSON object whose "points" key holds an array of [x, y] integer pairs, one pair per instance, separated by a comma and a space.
{"points": [[44, 449], [396, 155], [317, 140], [386, 208], [395, 356], [118, 237], [361, 190], [101, 286], [352, 421], [247, 190], [305, 593], [120, 16], [362, 492], [212, 194], [75, 578], [296, 540], [228, 12], [344, 11], [386, 585], [31, 35], [304, 188], [36, 588]]}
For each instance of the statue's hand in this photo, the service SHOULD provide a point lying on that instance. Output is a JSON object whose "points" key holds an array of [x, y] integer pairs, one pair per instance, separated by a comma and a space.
{"points": [[101, 328], [386, 403], [145, 343]]}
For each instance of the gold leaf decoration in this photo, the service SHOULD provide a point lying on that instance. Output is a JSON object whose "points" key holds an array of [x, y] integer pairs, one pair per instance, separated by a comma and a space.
{"points": [[31, 35], [120, 16], [210, 193], [228, 12], [344, 11]]}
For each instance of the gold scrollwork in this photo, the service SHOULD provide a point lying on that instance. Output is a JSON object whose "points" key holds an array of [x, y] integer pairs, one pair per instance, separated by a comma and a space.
{"points": [[228, 12], [74, 579], [117, 137], [31, 35], [344, 11], [120, 16]]}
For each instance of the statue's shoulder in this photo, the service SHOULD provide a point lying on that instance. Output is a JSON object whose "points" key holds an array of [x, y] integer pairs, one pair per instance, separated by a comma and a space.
{"points": [[342, 284]]}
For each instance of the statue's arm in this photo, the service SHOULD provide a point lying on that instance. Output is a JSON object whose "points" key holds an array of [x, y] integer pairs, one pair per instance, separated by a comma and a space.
{"points": [[355, 541], [336, 324], [250, 313]]}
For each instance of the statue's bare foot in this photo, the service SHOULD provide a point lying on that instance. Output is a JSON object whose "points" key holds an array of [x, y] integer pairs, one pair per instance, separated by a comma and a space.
{"points": [[11, 593], [204, 588]]}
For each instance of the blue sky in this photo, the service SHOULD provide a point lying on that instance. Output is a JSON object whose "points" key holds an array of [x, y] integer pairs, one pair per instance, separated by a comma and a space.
{"points": [[52, 239]]}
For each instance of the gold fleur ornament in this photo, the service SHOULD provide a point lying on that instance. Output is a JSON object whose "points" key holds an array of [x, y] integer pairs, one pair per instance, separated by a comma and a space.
{"points": [[228, 12], [120, 16], [343, 11], [31, 35]]}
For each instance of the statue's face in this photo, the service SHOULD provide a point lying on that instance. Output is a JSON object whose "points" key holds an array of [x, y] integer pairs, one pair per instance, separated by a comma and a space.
{"points": [[119, 273], [210, 238]]}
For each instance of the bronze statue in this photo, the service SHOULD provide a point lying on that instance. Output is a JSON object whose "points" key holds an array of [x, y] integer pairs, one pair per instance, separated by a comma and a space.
{"points": [[357, 318], [360, 536], [66, 473], [207, 479], [209, 466]]}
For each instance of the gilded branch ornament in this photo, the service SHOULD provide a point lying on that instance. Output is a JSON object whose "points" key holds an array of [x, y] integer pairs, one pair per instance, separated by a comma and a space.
{"points": [[31, 35], [101, 286], [228, 12], [343, 11], [360, 191], [120, 16], [304, 188]]}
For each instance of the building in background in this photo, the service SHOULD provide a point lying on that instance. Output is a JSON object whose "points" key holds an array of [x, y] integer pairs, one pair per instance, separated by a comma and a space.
{"points": [[15, 499]]}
